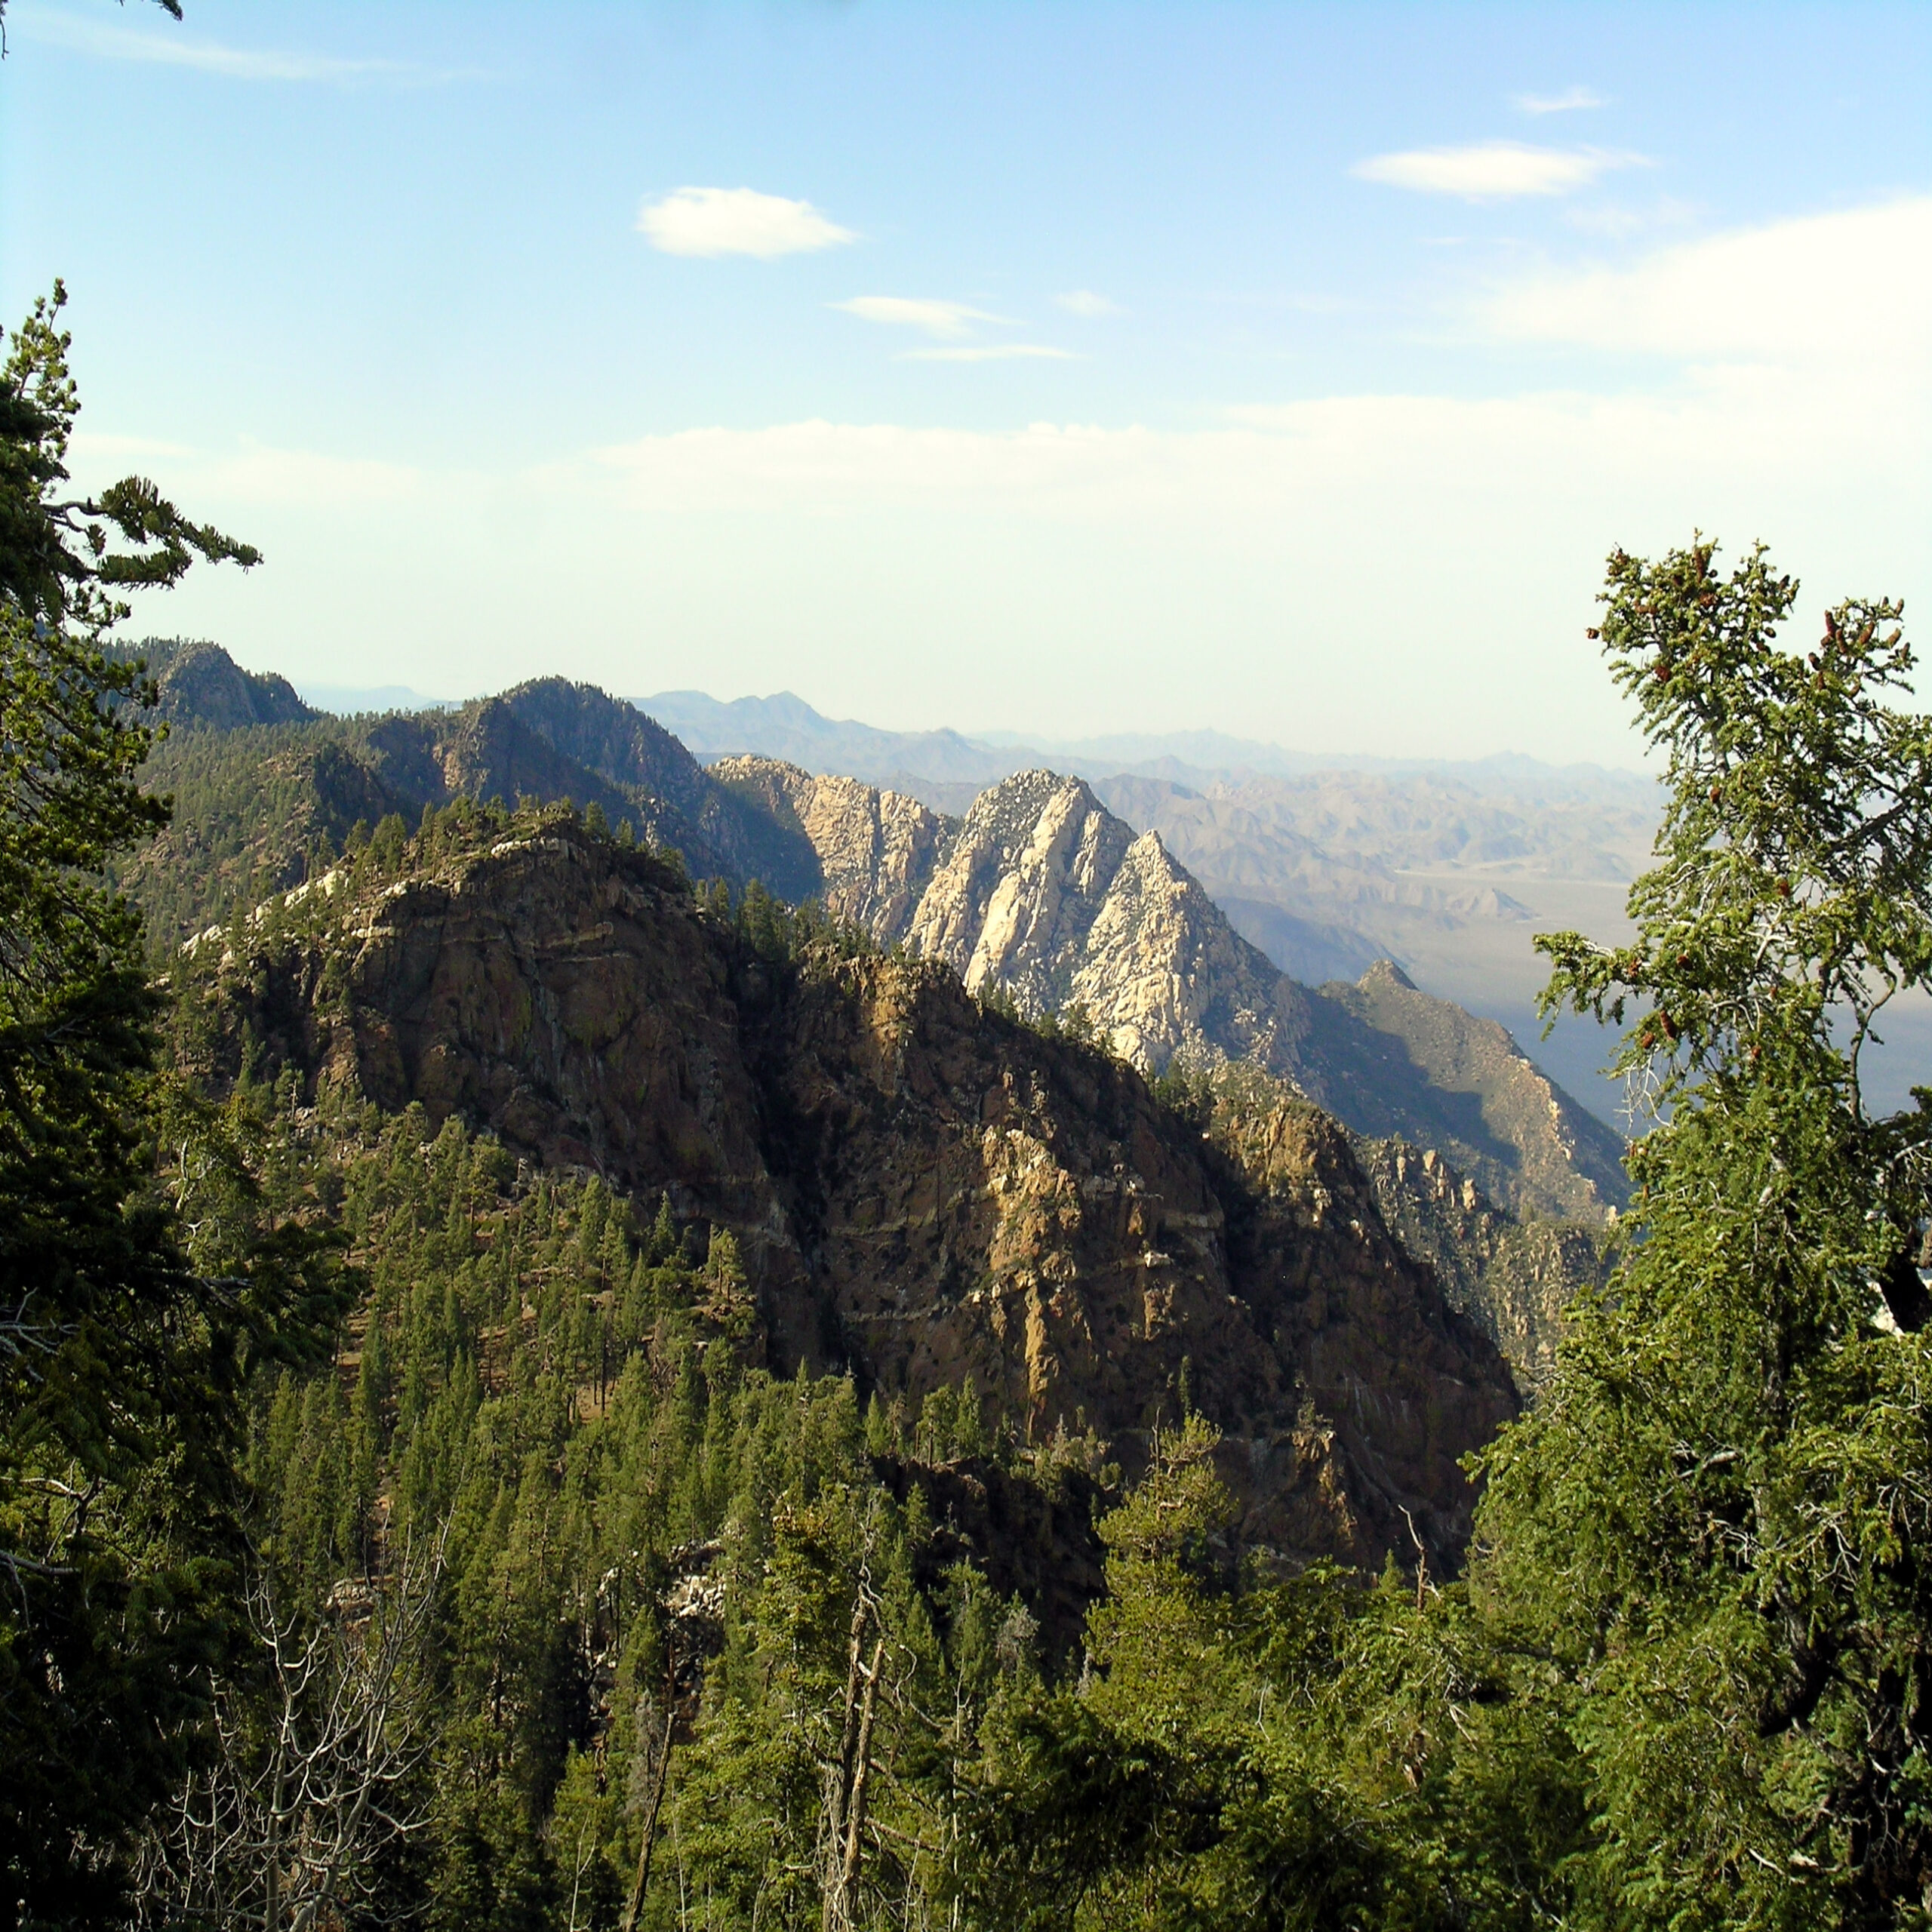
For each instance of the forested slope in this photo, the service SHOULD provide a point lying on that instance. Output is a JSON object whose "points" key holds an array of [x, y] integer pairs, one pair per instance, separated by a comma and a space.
{"points": [[921, 1190]]}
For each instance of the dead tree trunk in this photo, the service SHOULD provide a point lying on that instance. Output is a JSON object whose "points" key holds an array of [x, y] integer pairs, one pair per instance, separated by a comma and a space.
{"points": [[657, 1783]]}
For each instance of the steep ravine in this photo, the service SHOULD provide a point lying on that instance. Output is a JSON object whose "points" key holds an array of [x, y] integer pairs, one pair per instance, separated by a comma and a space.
{"points": [[921, 1188]]}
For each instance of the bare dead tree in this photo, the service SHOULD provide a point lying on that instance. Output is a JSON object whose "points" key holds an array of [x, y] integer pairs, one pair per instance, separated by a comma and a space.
{"points": [[311, 1776], [843, 1819], [693, 1631], [654, 1768]]}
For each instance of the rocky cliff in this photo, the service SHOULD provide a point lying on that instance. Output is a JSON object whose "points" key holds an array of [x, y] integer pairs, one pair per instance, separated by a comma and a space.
{"points": [[922, 1188], [1043, 894], [1513, 1279]]}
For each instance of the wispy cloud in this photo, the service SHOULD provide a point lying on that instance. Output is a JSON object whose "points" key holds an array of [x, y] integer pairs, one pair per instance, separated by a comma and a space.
{"points": [[991, 351], [1493, 170], [208, 57], [1772, 296], [255, 473], [736, 221], [948, 321], [1568, 101], [1618, 223], [1085, 302]]}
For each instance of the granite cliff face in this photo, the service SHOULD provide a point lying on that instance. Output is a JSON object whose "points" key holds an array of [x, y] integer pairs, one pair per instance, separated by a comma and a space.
{"points": [[1513, 1279], [921, 1188], [875, 851], [1041, 893]]}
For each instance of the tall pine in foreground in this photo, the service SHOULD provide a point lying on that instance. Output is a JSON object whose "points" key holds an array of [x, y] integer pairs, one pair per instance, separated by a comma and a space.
{"points": [[1708, 1544], [122, 1359]]}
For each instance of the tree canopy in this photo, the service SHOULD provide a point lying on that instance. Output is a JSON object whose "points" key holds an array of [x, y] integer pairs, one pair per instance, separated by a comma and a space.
{"points": [[1712, 1531], [137, 1287]]}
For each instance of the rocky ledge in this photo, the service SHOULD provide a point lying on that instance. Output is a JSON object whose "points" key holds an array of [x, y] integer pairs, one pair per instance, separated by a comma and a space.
{"points": [[924, 1189]]}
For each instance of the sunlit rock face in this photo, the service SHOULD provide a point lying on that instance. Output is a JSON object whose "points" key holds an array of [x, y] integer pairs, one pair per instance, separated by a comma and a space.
{"points": [[923, 1189], [1042, 895]]}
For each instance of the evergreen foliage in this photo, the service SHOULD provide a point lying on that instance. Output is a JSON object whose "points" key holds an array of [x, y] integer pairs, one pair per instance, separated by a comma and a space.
{"points": [[1711, 1534], [140, 1287], [392, 1529], [684, 1599]]}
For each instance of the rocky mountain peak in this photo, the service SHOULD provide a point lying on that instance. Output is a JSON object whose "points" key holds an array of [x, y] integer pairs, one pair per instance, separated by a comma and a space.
{"points": [[1042, 893], [1013, 903], [923, 1189]]}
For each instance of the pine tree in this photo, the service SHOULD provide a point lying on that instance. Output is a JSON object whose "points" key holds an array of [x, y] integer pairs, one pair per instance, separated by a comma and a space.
{"points": [[121, 1362], [1715, 1529]]}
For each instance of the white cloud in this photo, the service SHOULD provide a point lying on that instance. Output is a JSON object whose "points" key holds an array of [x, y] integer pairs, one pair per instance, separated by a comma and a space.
{"points": [[1085, 302], [991, 351], [1111, 573], [1493, 170], [944, 320], [736, 221], [1852, 290], [251, 473], [236, 63], [1565, 103]]}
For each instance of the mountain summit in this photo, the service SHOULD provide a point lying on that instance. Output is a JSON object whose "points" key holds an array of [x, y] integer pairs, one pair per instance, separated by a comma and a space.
{"points": [[1042, 895]]}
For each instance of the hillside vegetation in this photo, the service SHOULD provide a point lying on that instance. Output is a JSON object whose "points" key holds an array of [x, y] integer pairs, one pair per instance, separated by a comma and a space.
{"points": [[538, 1392]]}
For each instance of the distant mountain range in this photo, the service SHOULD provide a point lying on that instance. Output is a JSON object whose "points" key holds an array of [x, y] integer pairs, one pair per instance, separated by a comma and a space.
{"points": [[1326, 863], [785, 726], [1448, 869], [1038, 896]]}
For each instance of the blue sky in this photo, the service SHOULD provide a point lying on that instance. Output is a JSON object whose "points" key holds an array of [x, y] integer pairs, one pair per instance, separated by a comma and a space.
{"points": [[1286, 370]]}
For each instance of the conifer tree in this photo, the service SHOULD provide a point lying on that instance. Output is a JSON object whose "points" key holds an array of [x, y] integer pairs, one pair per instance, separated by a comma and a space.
{"points": [[122, 1353], [1716, 1526]]}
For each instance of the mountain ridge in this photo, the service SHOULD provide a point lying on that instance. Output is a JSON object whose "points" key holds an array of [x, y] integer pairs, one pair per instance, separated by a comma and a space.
{"points": [[921, 1189], [1042, 894], [1043, 898]]}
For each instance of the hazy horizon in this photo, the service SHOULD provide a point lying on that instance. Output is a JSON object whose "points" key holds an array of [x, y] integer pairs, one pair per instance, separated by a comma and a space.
{"points": [[1283, 372], [343, 699]]}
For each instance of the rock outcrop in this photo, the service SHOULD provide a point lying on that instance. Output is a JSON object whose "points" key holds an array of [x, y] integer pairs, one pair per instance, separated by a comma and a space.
{"points": [[922, 1188], [1042, 895], [875, 850], [1513, 1279]]}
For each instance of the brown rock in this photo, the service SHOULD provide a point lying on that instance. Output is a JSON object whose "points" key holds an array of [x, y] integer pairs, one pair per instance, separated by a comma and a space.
{"points": [[920, 1188]]}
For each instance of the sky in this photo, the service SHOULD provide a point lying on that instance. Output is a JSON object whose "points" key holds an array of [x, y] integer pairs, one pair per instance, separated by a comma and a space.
{"points": [[1287, 370]]}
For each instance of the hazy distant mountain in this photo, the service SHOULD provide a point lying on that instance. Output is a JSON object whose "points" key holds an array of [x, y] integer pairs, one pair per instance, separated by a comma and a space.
{"points": [[355, 701], [1192, 756], [785, 727]]}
